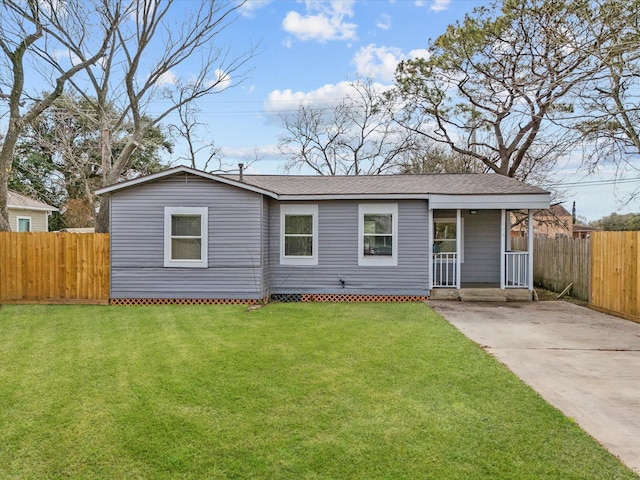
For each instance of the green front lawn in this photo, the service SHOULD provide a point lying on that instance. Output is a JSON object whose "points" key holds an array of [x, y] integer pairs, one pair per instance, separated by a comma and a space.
{"points": [[290, 391]]}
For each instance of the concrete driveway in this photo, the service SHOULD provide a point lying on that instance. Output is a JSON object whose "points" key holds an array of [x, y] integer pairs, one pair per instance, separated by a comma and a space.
{"points": [[585, 363]]}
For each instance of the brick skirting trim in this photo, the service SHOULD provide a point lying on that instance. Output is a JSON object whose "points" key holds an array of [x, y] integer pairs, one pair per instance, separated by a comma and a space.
{"points": [[304, 297]]}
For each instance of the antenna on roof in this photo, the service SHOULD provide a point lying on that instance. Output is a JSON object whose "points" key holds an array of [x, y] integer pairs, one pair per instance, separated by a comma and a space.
{"points": [[241, 168]]}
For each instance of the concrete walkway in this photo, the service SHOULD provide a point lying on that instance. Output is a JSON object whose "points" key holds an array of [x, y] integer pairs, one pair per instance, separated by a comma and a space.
{"points": [[585, 363]]}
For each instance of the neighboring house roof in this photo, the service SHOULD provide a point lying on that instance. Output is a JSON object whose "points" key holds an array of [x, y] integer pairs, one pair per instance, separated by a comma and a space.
{"points": [[18, 201], [308, 187], [558, 210], [585, 228]]}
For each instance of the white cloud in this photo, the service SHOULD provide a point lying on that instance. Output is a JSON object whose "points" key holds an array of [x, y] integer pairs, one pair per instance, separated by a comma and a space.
{"points": [[330, 94], [380, 62], [418, 53], [384, 22], [377, 62], [222, 80], [323, 21], [419, 3], [249, 8], [440, 5], [167, 78], [61, 55], [249, 154]]}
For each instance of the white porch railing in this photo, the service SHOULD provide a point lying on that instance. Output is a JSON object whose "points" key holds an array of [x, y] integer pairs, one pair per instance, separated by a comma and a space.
{"points": [[516, 269], [445, 269]]}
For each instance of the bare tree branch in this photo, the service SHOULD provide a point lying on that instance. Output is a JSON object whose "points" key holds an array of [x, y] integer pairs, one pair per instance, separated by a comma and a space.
{"points": [[35, 32], [494, 83], [355, 137]]}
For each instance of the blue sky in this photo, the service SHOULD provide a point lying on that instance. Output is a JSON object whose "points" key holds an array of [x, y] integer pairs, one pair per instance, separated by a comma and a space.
{"points": [[309, 50]]}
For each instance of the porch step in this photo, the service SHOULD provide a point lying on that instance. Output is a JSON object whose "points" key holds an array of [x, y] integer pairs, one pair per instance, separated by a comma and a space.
{"points": [[481, 294]]}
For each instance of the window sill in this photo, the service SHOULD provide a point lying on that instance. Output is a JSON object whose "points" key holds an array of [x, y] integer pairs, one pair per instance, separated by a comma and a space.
{"points": [[298, 261], [378, 262], [185, 264]]}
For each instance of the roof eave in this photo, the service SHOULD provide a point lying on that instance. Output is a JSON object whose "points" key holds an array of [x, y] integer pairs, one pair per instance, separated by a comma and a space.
{"points": [[33, 208], [353, 196], [181, 169], [509, 201]]}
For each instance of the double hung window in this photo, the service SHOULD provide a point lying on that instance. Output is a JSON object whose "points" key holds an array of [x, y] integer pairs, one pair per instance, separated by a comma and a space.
{"points": [[299, 234], [185, 237], [378, 234]]}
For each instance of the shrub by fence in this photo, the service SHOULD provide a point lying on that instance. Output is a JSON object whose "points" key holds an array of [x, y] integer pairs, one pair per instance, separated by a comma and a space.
{"points": [[54, 268]]}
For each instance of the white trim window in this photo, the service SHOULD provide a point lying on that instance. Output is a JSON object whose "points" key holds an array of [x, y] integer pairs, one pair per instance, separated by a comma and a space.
{"points": [[185, 237], [23, 224], [299, 234], [378, 234]]}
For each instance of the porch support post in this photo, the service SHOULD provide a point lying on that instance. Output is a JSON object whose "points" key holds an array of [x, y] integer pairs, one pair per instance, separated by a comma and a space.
{"points": [[430, 254], [503, 250], [530, 248], [458, 246]]}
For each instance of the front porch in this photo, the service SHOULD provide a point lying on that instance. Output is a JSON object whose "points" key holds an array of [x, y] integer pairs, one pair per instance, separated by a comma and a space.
{"points": [[473, 259]]}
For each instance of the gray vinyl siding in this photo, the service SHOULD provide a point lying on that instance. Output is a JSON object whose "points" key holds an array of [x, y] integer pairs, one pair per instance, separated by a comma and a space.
{"points": [[481, 247], [338, 254], [265, 247], [234, 249]]}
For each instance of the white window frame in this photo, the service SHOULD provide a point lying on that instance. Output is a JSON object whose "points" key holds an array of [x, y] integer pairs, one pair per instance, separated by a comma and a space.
{"points": [[459, 234], [203, 262], [312, 210], [24, 218], [382, 209]]}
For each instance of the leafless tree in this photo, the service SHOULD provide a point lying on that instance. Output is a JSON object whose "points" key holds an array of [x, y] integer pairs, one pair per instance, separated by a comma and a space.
{"points": [[202, 152], [32, 35], [139, 72], [59, 154], [356, 136], [433, 157]]}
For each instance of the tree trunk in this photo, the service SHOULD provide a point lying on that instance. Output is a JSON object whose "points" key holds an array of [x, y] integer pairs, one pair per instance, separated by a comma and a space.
{"points": [[4, 193], [6, 160], [102, 218]]}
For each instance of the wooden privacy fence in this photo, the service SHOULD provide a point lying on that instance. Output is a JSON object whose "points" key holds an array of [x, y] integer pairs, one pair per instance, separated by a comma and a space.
{"points": [[615, 266], [558, 262], [54, 267], [604, 269]]}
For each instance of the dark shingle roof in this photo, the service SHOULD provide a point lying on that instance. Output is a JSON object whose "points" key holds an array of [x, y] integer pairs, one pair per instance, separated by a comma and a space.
{"points": [[307, 187], [445, 184]]}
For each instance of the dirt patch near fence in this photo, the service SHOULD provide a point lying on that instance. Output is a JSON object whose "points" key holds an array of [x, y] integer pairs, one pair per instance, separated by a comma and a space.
{"points": [[545, 295]]}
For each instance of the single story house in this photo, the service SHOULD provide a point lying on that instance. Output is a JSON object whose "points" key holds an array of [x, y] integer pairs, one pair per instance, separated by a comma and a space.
{"points": [[190, 235], [27, 214]]}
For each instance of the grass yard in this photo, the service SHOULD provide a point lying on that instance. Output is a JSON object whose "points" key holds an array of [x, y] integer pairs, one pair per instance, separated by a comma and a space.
{"points": [[290, 391]]}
